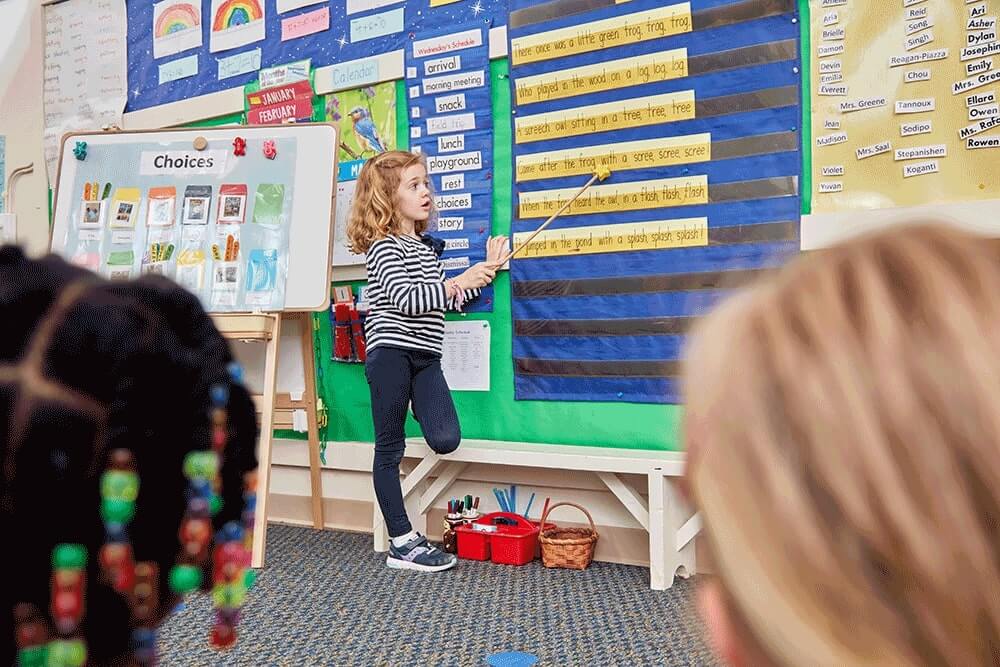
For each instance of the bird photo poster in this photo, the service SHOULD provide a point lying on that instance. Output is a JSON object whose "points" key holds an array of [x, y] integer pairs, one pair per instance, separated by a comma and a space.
{"points": [[367, 121]]}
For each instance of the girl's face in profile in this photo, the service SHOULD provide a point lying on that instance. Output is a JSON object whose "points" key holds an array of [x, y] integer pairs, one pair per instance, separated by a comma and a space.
{"points": [[413, 197]]}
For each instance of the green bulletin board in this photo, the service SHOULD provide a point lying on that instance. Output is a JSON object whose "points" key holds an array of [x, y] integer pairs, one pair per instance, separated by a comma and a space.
{"points": [[495, 415]]}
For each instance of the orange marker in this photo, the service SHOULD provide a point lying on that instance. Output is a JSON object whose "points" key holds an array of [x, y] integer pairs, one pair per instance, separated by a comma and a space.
{"points": [[229, 248], [86, 191]]}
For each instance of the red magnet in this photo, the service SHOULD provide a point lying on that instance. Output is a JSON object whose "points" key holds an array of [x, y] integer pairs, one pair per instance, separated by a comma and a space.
{"points": [[270, 150], [239, 146]]}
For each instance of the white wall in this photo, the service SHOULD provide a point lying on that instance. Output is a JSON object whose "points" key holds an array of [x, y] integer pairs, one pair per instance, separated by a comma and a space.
{"points": [[821, 230], [21, 119]]}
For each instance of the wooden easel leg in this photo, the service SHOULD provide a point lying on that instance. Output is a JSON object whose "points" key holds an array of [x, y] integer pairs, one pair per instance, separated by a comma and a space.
{"points": [[264, 446], [311, 395]]}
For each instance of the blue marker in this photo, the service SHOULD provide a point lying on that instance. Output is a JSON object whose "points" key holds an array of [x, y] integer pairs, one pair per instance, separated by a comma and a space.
{"points": [[528, 508]]}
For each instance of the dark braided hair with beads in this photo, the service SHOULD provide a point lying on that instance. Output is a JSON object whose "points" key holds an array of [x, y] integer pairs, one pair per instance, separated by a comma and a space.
{"points": [[87, 367]]}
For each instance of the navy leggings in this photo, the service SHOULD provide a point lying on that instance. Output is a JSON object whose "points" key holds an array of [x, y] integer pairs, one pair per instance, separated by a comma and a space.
{"points": [[395, 377]]}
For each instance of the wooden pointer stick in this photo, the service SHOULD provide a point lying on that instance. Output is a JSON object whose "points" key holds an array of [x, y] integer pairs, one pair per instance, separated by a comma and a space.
{"points": [[599, 175]]}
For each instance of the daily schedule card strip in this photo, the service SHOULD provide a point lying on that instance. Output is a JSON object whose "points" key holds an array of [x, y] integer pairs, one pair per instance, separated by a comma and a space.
{"points": [[448, 84]]}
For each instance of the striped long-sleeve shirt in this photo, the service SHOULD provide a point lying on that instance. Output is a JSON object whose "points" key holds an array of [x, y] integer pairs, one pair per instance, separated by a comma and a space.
{"points": [[407, 294]]}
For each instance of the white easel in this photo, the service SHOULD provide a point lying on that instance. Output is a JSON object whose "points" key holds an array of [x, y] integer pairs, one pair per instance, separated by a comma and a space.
{"points": [[307, 286]]}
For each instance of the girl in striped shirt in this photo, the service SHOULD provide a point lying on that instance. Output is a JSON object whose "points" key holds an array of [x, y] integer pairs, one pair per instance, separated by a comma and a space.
{"points": [[409, 295]]}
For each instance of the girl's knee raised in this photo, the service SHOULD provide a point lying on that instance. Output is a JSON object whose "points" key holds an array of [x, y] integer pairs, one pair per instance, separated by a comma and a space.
{"points": [[444, 441]]}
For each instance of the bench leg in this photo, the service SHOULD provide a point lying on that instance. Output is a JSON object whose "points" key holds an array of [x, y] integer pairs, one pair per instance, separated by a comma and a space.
{"points": [[682, 528], [444, 480], [632, 501], [671, 533], [686, 545], [658, 531]]}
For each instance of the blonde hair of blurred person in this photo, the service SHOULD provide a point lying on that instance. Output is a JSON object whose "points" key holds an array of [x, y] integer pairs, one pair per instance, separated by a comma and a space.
{"points": [[843, 431]]}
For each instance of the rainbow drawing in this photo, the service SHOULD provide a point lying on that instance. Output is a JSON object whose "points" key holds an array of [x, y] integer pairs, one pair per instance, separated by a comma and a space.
{"points": [[176, 18], [232, 13]]}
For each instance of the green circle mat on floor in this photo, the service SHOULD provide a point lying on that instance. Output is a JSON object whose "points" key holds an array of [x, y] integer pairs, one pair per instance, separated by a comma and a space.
{"points": [[511, 659]]}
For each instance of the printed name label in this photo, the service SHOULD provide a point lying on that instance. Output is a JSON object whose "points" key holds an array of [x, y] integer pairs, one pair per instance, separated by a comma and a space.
{"points": [[918, 25], [987, 142], [979, 99], [915, 75], [979, 128], [861, 105], [827, 50], [918, 40], [833, 90], [979, 67], [921, 152], [986, 111], [875, 149], [832, 139], [975, 82], [920, 168], [980, 51], [914, 58], [921, 127], [915, 106]]}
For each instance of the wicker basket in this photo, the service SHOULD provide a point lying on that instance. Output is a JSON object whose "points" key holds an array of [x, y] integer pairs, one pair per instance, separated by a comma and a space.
{"points": [[571, 548]]}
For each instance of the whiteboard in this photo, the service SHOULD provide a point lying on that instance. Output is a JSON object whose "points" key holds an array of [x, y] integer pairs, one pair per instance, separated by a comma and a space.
{"points": [[313, 173]]}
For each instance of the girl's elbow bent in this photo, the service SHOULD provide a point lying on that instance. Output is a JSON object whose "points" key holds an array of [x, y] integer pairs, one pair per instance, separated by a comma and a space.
{"points": [[408, 307]]}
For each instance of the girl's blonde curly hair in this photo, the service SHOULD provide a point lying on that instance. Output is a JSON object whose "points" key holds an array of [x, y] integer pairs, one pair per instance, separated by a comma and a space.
{"points": [[373, 215], [843, 442]]}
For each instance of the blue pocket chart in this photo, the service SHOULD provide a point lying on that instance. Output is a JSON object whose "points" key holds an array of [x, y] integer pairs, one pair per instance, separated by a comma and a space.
{"points": [[695, 109]]}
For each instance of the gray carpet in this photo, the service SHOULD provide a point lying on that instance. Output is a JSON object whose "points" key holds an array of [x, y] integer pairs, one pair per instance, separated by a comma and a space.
{"points": [[325, 598]]}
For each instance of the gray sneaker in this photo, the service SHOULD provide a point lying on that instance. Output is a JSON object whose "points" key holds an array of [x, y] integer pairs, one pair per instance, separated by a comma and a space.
{"points": [[419, 554]]}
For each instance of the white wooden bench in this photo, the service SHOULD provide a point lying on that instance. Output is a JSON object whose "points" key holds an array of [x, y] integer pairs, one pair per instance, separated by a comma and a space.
{"points": [[671, 526]]}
